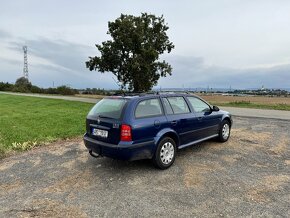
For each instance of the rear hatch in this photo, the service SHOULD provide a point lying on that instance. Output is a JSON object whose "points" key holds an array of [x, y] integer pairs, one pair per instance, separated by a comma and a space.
{"points": [[105, 118]]}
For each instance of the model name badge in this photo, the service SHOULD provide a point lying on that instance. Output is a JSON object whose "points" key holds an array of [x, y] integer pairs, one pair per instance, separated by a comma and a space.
{"points": [[116, 125]]}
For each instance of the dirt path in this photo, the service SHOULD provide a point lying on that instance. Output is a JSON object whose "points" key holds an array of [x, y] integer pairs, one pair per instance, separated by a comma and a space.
{"points": [[68, 98], [249, 176], [261, 113]]}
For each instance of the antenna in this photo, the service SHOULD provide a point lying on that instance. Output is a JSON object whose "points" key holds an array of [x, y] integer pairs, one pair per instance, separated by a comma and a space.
{"points": [[25, 67]]}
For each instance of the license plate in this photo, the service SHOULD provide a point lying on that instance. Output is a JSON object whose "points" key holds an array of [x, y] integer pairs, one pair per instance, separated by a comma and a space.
{"points": [[100, 133]]}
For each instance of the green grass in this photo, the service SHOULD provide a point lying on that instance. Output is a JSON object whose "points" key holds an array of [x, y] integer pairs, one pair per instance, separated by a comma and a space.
{"points": [[247, 104], [26, 122]]}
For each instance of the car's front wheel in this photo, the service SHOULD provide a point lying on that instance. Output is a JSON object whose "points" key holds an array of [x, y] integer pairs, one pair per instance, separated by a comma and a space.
{"points": [[165, 153], [225, 131]]}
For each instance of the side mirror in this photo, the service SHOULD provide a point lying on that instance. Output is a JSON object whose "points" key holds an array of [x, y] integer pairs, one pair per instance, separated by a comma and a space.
{"points": [[215, 108]]}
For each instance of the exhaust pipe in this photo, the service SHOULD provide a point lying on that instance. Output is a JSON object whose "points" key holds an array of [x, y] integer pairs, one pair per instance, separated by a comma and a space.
{"points": [[93, 154]]}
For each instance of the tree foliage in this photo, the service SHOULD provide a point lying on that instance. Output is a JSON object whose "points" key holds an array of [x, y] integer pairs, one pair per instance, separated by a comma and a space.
{"points": [[133, 53], [22, 81], [22, 84], [6, 86]]}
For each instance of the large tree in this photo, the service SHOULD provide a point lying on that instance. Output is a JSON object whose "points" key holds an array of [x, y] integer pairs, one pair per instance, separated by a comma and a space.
{"points": [[133, 53]]}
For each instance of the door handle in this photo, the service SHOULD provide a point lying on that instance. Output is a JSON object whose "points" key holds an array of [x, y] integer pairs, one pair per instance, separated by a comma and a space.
{"points": [[199, 118], [174, 122]]}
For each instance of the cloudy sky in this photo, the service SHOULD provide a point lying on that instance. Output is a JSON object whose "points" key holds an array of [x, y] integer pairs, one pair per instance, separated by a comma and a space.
{"points": [[218, 43]]}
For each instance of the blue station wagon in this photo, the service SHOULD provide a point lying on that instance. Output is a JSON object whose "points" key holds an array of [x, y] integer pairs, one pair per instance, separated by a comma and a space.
{"points": [[152, 126]]}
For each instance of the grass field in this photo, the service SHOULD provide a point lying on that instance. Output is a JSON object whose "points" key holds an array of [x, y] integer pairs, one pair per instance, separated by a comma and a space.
{"points": [[260, 102], [27, 122]]}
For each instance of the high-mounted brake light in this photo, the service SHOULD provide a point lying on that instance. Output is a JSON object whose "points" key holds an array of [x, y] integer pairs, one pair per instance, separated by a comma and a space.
{"points": [[126, 133]]}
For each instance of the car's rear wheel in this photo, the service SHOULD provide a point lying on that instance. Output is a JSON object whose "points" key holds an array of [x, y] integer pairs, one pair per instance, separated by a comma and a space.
{"points": [[225, 131], [165, 153]]}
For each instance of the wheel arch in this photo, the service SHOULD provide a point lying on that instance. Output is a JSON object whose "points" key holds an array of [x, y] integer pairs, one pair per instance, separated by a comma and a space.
{"points": [[168, 133], [227, 118]]}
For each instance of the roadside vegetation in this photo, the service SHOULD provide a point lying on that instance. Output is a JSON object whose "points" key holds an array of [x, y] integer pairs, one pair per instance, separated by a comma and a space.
{"points": [[27, 122], [24, 86]]}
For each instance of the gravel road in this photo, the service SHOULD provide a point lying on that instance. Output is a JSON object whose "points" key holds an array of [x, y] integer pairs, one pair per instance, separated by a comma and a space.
{"points": [[248, 176]]}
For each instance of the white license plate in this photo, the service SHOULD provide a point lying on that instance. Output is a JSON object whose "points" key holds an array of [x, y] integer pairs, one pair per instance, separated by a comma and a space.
{"points": [[100, 133]]}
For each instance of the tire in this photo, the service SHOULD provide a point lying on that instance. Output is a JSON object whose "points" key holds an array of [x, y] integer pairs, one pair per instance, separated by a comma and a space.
{"points": [[165, 153], [225, 131]]}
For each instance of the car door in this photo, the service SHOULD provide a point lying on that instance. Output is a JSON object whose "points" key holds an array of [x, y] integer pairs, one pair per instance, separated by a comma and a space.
{"points": [[180, 117], [208, 120], [148, 120]]}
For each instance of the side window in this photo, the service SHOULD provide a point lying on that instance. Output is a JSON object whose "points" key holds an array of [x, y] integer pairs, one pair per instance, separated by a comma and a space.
{"points": [[167, 106], [179, 105], [148, 108], [198, 105]]}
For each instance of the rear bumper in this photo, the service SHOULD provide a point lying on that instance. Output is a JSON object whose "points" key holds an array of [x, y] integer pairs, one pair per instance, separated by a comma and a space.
{"points": [[122, 151]]}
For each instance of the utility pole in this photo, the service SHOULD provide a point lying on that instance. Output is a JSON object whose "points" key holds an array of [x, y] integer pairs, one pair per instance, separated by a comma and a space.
{"points": [[25, 67]]}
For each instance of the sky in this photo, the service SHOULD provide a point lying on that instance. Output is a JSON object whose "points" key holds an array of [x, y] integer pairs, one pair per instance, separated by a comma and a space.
{"points": [[218, 43]]}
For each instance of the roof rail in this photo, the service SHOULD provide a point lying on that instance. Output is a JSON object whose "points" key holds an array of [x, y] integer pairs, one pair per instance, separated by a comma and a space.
{"points": [[173, 92], [153, 93], [138, 93], [148, 93]]}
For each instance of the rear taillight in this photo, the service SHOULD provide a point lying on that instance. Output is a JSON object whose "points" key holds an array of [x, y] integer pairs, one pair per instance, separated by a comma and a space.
{"points": [[126, 133]]}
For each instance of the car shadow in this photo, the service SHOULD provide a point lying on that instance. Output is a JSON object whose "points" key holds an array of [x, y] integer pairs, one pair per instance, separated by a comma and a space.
{"points": [[146, 164], [197, 147], [120, 165]]}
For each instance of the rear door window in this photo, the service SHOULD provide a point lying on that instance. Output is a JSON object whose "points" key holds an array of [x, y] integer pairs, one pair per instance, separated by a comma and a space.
{"points": [[178, 105], [109, 108], [148, 108]]}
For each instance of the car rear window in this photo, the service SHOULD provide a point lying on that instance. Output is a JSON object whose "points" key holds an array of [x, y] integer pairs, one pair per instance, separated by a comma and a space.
{"points": [[108, 108], [148, 108]]}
